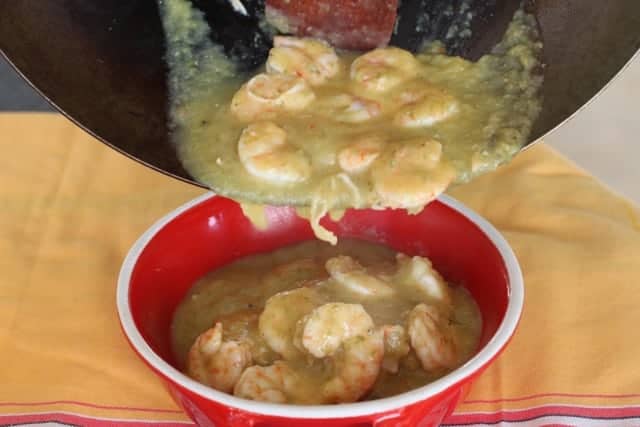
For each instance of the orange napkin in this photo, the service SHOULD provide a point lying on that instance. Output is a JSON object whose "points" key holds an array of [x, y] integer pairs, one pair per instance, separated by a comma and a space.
{"points": [[71, 207]]}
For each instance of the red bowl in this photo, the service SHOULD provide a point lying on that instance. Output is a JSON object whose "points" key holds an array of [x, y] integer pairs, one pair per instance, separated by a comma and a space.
{"points": [[212, 231]]}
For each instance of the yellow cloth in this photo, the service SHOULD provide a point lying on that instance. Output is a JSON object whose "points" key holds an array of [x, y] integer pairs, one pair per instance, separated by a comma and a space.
{"points": [[71, 207]]}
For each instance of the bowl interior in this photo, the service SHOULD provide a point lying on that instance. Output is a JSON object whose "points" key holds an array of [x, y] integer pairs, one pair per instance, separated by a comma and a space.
{"points": [[215, 232]]}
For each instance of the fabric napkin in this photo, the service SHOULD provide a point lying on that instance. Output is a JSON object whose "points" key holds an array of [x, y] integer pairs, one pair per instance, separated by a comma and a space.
{"points": [[70, 208]]}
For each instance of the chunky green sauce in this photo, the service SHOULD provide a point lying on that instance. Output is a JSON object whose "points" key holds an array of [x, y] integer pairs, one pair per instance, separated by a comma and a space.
{"points": [[241, 289], [497, 103]]}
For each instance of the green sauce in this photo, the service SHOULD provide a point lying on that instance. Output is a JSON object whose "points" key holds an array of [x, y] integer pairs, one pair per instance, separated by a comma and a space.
{"points": [[498, 97]]}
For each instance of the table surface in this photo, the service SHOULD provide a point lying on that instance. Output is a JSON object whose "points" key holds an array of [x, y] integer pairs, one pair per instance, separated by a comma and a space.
{"points": [[71, 208]]}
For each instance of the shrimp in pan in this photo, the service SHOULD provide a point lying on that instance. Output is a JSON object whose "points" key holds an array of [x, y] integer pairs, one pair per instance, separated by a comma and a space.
{"points": [[265, 153], [383, 69], [267, 95], [313, 60]]}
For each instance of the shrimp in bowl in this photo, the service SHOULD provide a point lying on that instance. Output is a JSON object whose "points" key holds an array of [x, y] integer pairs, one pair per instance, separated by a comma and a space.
{"points": [[370, 331]]}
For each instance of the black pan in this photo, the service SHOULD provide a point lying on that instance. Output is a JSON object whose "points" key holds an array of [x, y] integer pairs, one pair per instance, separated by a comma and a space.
{"points": [[101, 62]]}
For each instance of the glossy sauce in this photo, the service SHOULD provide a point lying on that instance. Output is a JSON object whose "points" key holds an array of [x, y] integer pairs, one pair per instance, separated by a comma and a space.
{"points": [[244, 286], [496, 102], [496, 99]]}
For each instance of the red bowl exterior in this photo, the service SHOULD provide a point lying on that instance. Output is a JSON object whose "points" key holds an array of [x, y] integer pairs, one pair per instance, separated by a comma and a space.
{"points": [[214, 232], [427, 413]]}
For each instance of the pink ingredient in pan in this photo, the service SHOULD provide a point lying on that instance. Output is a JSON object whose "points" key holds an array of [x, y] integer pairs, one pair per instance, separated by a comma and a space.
{"points": [[347, 24]]}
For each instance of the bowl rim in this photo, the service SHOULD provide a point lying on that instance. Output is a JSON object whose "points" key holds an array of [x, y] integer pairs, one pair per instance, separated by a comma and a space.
{"points": [[348, 410]]}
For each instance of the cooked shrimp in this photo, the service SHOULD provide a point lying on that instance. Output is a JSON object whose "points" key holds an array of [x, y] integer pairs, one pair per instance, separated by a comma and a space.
{"points": [[357, 368], [216, 362], [431, 105], [423, 153], [281, 313], [413, 176], [417, 275], [432, 338], [344, 333], [396, 346], [346, 108], [311, 59], [359, 156], [356, 362], [408, 94], [383, 69], [354, 277], [328, 326], [242, 326], [266, 95], [276, 383], [265, 153]]}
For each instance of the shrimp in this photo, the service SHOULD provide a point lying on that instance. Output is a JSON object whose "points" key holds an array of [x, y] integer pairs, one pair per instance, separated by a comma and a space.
{"points": [[265, 153], [429, 106], [418, 275], [396, 346], [432, 338], [345, 333], [350, 274], [281, 313], [359, 156], [313, 60], [216, 362], [357, 368], [412, 175], [346, 108], [383, 69], [277, 383], [328, 326], [242, 326], [266, 95]]}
